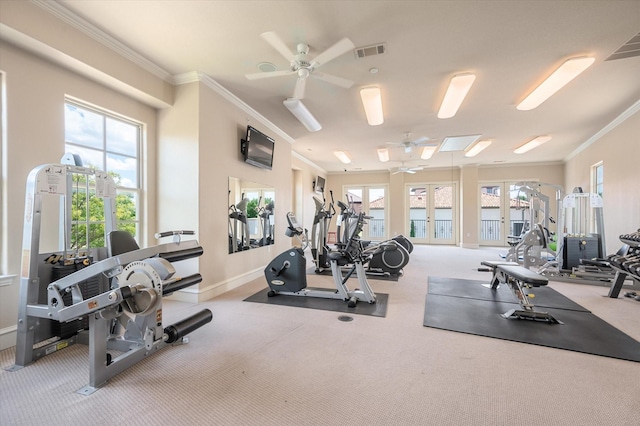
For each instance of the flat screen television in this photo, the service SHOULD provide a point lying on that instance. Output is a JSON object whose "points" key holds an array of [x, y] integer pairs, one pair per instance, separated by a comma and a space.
{"points": [[319, 185], [257, 148]]}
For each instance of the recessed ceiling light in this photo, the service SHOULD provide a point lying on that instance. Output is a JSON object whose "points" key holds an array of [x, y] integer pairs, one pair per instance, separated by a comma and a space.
{"points": [[266, 67], [373, 70]]}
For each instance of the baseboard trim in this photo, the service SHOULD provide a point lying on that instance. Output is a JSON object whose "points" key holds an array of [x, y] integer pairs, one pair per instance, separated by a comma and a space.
{"points": [[202, 294], [470, 245], [8, 336]]}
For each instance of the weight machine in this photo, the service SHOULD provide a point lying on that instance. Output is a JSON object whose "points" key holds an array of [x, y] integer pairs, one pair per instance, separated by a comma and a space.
{"points": [[109, 298]]}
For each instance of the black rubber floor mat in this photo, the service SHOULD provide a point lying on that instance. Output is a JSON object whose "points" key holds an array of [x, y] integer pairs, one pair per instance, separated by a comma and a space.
{"points": [[581, 331], [378, 309], [545, 297], [370, 276]]}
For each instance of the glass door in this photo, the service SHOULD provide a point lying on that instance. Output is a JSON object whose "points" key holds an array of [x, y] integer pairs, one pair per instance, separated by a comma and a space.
{"points": [[372, 201], [503, 213], [431, 213]]}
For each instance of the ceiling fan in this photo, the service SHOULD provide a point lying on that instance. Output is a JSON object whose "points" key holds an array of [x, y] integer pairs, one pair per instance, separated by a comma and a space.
{"points": [[409, 144], [304, 67], [404, 169]]}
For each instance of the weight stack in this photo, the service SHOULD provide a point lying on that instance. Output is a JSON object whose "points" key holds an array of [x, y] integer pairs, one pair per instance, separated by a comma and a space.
{"points": [[88, 288]]}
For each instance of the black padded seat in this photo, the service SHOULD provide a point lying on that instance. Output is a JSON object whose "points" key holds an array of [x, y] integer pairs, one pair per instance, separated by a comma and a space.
{"points": [[524, 275], [120, 242]]}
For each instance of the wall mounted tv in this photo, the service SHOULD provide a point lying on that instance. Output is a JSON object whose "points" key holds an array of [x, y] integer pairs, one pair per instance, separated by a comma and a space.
{"points": [[257, 148]]}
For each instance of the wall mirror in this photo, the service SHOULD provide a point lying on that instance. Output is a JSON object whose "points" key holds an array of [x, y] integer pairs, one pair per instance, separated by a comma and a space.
{"points": [[251, 215]]}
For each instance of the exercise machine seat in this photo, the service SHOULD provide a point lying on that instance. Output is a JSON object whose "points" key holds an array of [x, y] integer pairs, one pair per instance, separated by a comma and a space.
{"points": [[120, 242]]}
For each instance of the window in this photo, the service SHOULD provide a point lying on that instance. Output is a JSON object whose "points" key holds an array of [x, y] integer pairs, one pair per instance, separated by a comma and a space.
{"points": [[597, 174], [112, 144]]}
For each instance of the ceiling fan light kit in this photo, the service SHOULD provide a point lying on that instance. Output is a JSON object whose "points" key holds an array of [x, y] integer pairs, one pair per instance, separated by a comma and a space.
{"points": [[477, 148], [569, 70], [372, 102], [533, 143], [303, 68], [303, 115], [456, 92]]}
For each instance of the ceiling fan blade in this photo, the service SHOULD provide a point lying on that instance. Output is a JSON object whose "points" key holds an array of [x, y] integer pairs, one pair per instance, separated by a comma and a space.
{"points": [[276, 42], [415, 169], [410, 171], [408, 149], [396, 172], [301, 83], [341, 47], [338, 81], [259, 75], [421, 140]]}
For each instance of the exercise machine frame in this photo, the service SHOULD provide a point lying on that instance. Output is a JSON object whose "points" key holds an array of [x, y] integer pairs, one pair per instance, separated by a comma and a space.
{"points": [[125, 315], [286, 274]]}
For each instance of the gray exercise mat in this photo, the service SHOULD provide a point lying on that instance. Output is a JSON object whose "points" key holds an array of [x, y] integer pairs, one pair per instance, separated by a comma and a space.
{"points": [[581, 331], [378, 309], [545, 297]]}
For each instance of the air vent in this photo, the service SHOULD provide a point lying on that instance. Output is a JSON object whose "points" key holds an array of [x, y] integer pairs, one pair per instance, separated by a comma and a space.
{"points": [[376, 49], [627, 50]]}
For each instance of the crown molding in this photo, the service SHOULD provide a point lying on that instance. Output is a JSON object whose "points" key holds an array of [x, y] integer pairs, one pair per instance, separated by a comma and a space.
{"points": [[606, 129], [196, 76], [307, 161], [71, 18]]}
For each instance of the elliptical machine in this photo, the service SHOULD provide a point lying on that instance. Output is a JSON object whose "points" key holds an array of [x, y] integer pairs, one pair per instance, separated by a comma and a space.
{"points": [[388, 257], [319, 233], [239, 239], [286, 274], [266, 219]]}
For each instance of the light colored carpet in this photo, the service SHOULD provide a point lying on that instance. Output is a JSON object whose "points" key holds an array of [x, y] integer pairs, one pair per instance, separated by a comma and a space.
{"points": [[259, 364]]}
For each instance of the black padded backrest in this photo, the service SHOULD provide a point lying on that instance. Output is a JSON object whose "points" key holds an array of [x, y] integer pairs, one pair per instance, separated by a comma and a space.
{"points": [[120, 242]]}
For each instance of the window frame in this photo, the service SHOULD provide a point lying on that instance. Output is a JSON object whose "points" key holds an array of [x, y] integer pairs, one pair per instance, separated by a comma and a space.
{"points": [[104, 151], [597, 185]]}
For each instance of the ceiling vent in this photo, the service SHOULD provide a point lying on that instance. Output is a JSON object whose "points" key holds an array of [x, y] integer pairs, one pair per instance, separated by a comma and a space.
{"points": [[627, 50], [375, 49]]}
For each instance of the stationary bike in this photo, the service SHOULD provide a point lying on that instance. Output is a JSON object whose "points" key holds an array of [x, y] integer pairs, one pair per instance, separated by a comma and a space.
{"points": [[286, 274]]}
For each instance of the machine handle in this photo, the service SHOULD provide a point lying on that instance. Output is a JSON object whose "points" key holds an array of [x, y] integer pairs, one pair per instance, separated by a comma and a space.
{"points": [[170, 233]]}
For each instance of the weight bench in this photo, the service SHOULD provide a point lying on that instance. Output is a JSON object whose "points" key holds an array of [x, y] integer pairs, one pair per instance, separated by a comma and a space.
{"points": [[518, 279], [493, 265]]}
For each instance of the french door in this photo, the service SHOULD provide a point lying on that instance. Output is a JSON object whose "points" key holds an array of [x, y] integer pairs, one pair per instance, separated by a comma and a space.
{"points": [[431, 213], [503, 212], [373, 201]]}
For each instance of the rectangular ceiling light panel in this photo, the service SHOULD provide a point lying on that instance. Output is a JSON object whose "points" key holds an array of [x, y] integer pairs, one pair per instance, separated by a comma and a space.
{"points": [[372, 102], [456, 92], [458, 143], [303, 115], [477, 148], [342, 156], [383, 154], [556, 81], [533, 143]]}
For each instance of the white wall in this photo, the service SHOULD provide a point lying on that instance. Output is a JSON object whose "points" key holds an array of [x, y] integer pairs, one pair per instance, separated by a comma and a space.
{"points": [[619, 150], [35, 96]]}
